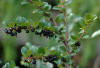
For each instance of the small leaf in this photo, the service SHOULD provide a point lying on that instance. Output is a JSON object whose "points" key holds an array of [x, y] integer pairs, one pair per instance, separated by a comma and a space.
{"points": [[7, 65], [46, 6], [41, 50], [62, 48], [24, 50]]}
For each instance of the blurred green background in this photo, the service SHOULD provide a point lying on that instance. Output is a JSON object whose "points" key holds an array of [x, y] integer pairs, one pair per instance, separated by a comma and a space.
{"points": [[10, 46]]}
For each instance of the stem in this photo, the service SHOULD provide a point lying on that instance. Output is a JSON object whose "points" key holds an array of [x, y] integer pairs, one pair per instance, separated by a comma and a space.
{"points": [[66, 24], [85, 30], [65, 14], [31, 1]]}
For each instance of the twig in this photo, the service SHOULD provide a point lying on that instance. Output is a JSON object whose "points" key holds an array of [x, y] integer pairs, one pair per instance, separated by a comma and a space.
{"points": [[85, 30], [31, 1], [65, 14], [52, 19]]}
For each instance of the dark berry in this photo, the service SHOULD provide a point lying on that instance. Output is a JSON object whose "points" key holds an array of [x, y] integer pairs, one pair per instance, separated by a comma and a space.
{"points": [[34, 62], [50, 35], [63, 59], [55, 36], [12, 34], [63, 65], [77, 43], [15, 25], [27, 31], [9, 31], [37, 27], [25, 60], [50, 58], [19, 31], [55, 57], [14, 28], [37, 33], [48, 31], [31, 55], [32, 29], [54, 65], [44, 31], [24, 27], [15, 34]]}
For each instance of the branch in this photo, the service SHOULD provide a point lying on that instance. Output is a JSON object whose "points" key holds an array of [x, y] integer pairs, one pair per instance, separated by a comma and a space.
{"points": [[52, 19], [62, 38], [65, 14], [85, 30]]}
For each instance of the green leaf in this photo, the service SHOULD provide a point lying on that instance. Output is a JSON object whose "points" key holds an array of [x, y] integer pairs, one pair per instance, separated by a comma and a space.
{"points": [[41, 50], [34, 49], [13, 64], [46, 6], [29, 52], [37, 3], [62, 48], [60, 18], [7, 65], [24, 50]]}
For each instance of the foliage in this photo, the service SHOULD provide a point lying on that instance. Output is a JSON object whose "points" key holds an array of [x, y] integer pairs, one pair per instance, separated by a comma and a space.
{"points": [[49, 21]]}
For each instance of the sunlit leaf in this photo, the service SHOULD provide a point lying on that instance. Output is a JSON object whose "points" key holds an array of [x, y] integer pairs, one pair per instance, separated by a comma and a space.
{"points": [[96, 33]]}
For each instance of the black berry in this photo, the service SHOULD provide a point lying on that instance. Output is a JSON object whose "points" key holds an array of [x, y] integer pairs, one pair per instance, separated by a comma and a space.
{"points": [[24, 27], [27, 31], [54, 65], [9, 31], [63, 59], [19, 31], [14, 28], [15, 34], [34, 61], [55, 57], [25, 60], [77, 43], [12, 34], [37, 27], [32, 29]]}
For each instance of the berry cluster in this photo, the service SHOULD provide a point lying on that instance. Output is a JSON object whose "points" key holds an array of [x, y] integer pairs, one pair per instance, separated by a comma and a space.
{"points": [[46, 33], [50, 58], [30, 60], [63, 59], [77, 43], [18, 29], [14, 30]]}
